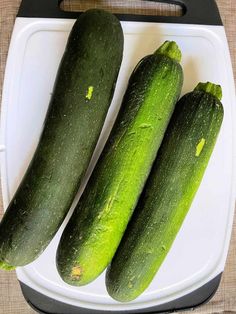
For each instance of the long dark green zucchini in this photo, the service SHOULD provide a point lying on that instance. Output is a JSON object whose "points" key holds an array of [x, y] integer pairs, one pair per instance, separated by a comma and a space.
{"points": [[168, 194], [101, 216], [82, 94]]}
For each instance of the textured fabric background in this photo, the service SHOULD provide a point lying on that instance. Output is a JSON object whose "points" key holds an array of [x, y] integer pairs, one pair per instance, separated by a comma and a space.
{"points": [[11, 300]]}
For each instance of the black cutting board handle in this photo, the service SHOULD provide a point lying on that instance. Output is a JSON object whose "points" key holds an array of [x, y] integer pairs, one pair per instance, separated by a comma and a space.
{"points": [[45, 305], [203, 12]]}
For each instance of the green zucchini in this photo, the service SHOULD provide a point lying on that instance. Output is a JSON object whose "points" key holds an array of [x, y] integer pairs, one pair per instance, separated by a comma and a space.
{"points": [[95, 229], [82, 94], [168, 193]]}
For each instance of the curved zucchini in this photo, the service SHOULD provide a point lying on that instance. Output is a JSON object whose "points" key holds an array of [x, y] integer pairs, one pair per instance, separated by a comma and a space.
{"points": [[101, 216], [79, 104], [168, 194]]}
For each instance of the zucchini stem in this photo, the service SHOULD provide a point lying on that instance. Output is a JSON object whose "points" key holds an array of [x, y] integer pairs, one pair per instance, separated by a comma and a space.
{"points": [[171, 50], [210, 88], [5, 266]]}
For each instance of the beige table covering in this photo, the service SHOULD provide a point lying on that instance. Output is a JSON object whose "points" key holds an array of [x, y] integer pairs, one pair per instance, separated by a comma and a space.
{"points": [[11, 299]]}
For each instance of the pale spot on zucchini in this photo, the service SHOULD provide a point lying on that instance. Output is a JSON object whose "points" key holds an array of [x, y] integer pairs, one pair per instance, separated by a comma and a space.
{"points": [[100, 216], [89, 94], [130, 285], [76, 272], [199, 147], [145, 126], [108, 206]]}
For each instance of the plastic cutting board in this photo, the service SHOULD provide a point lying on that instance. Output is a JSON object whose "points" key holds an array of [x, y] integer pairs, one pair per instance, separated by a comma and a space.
{"points": [[191, 272]]}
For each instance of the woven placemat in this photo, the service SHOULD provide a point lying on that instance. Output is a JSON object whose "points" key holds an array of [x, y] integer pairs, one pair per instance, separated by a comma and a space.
{"points": [[11, 299]]}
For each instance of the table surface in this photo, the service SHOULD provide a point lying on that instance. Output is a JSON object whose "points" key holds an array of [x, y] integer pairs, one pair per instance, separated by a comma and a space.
{"points": [[11, 299]]}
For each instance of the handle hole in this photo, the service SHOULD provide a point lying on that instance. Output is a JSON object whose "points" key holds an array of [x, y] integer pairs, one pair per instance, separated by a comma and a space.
{"points": [[133, 7]]}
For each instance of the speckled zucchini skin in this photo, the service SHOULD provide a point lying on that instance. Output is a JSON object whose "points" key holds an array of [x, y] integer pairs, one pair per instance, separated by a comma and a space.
{"points": [[82, 94], [101, 216], [167, 196]]}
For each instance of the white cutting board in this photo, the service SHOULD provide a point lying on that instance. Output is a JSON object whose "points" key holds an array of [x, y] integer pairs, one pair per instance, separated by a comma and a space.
{"points": [[199, 251]]}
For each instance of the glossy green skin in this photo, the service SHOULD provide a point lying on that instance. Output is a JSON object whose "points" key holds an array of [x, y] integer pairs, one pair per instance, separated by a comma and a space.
{"points": [[167, 197], [102, 214], [92, 58]]}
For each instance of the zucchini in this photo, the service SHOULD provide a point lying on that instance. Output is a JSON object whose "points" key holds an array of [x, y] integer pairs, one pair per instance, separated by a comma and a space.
{"points": [[80, 101], [94, 231], [168, 193]]}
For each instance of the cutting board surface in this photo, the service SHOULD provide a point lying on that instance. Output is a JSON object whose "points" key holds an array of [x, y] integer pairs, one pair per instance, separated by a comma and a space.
{"points": [[199, 251]]}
